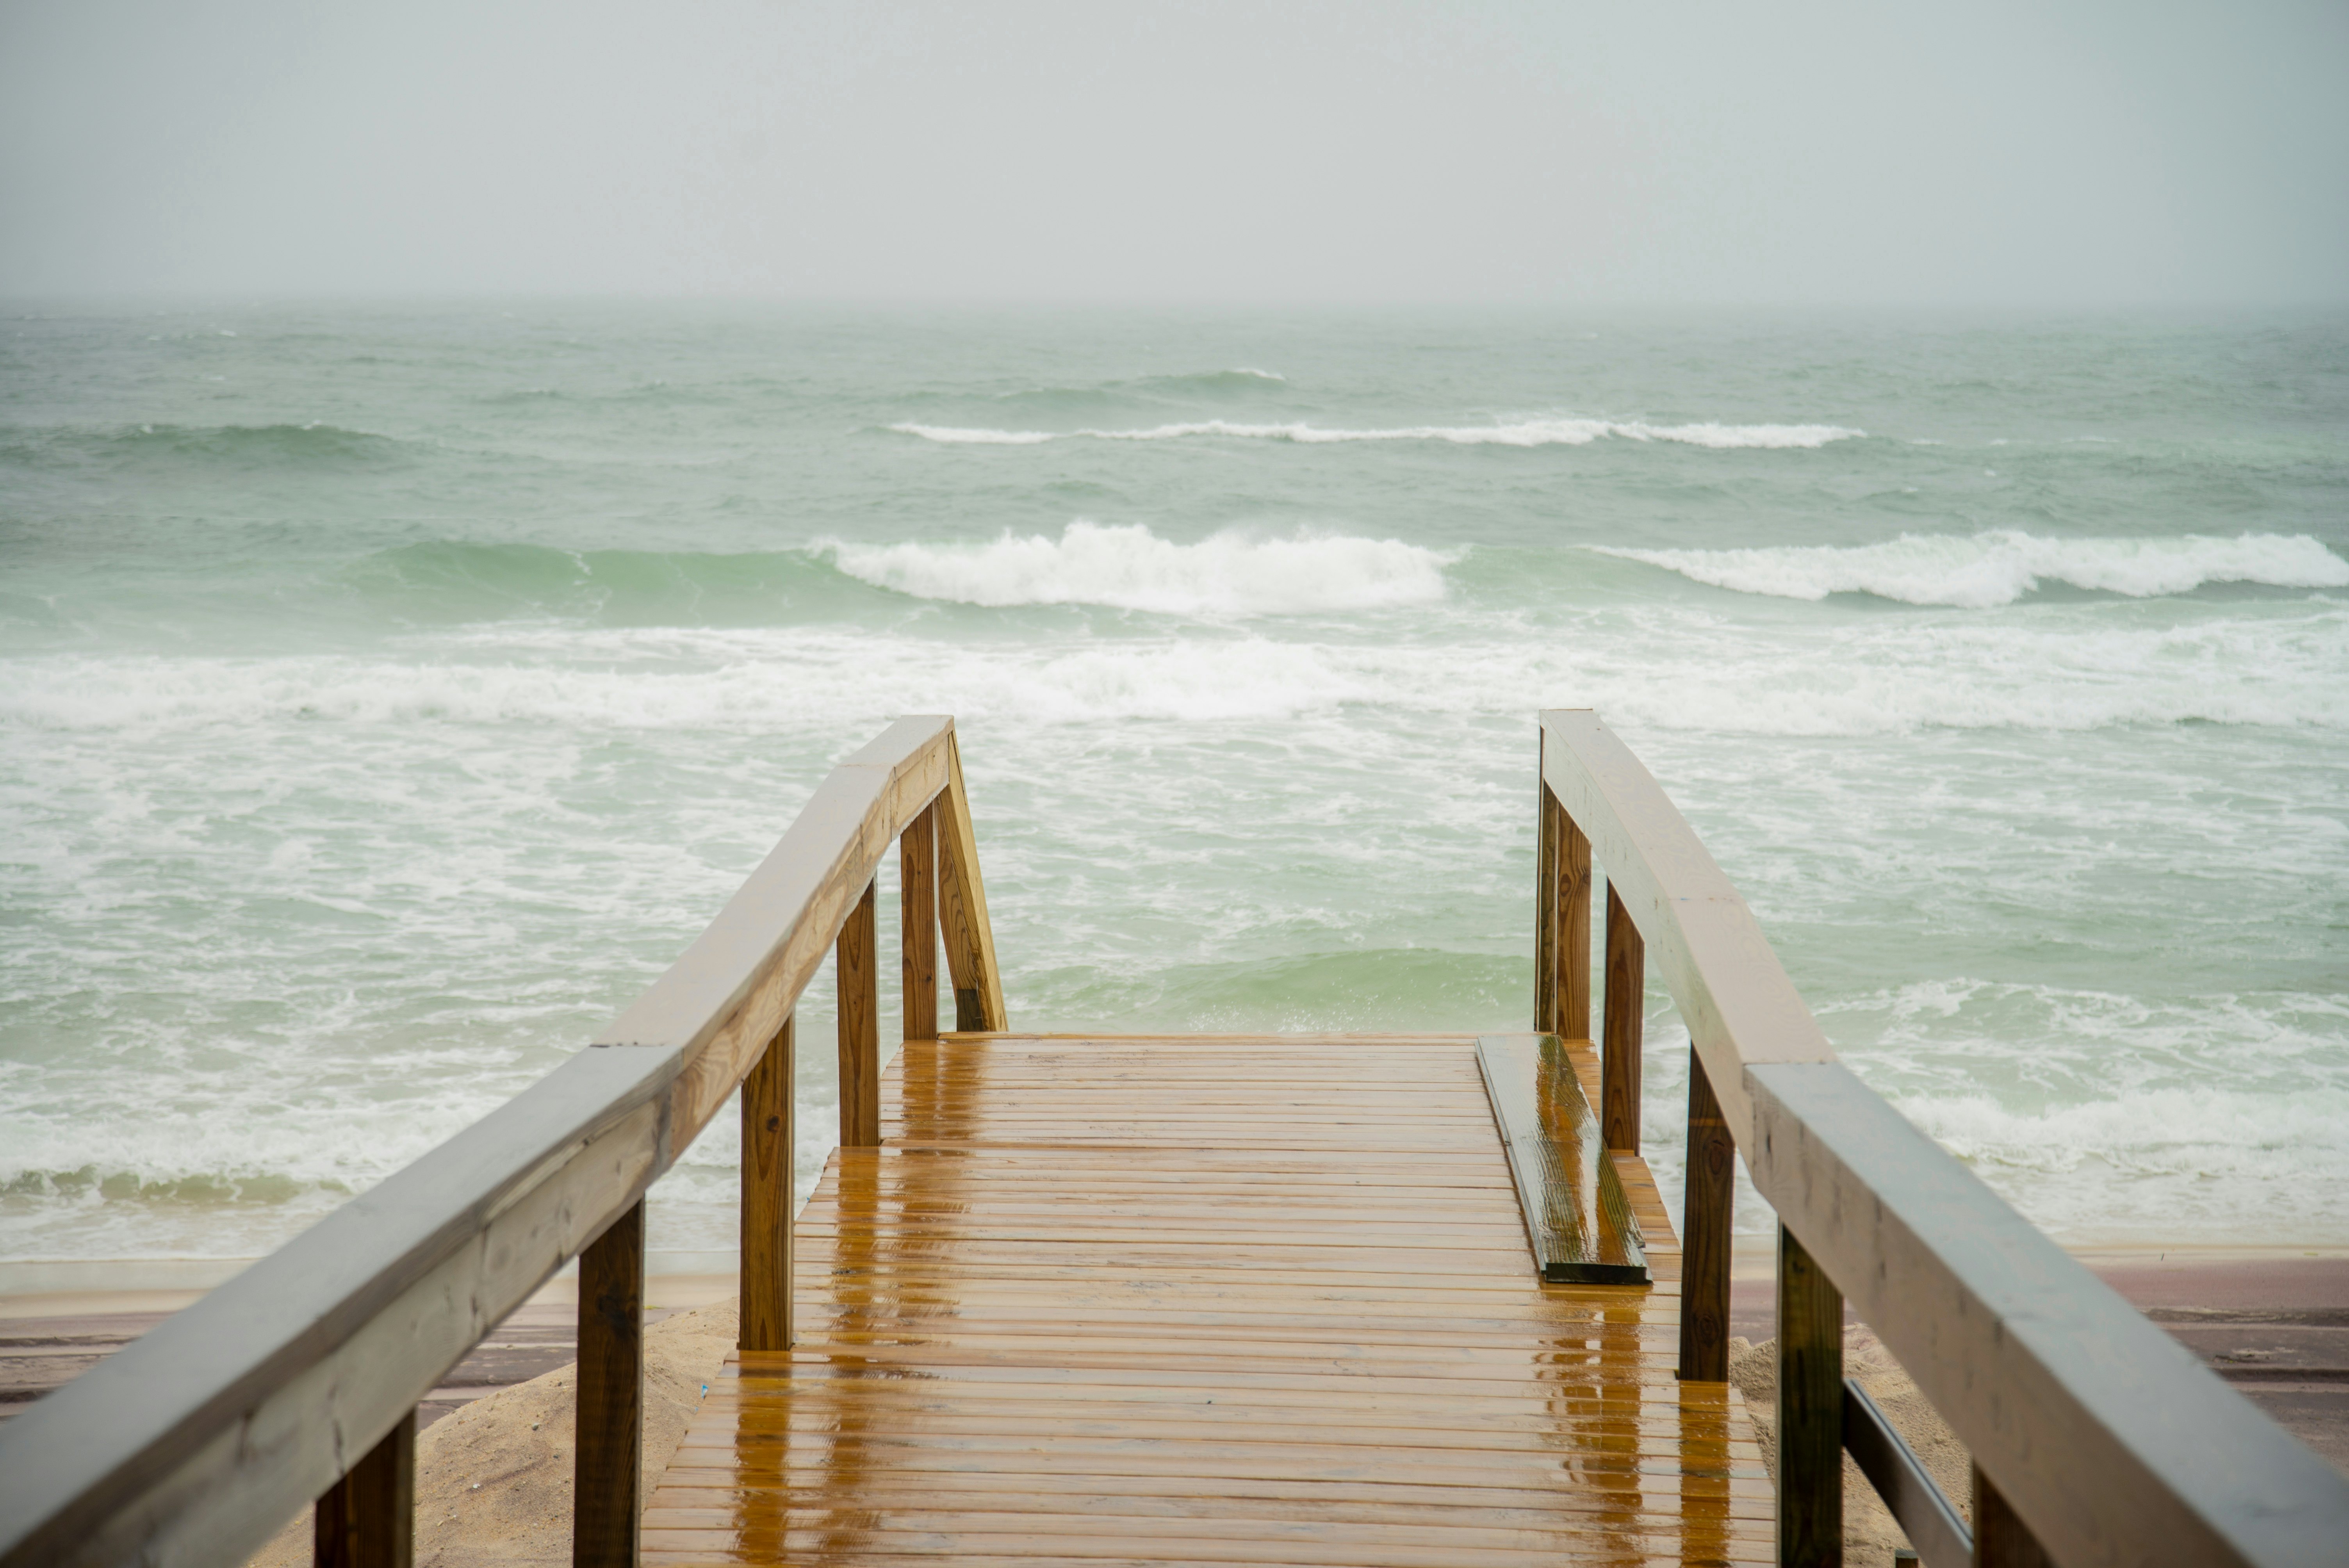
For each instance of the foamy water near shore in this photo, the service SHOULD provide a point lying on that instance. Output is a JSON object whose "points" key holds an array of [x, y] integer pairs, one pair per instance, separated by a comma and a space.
{"points": [[389, 694]]}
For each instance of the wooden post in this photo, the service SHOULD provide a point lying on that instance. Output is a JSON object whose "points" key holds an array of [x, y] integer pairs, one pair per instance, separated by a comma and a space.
{"points": [[1562, 926], [1627, 980], [2001, 1538], [605, 1510], [1545, 836], [767, 1139], [1574, 889], [962, 909], [367, 1519], [1810, 1412], [860, 1028], [1704, 1234], [918, 907]]}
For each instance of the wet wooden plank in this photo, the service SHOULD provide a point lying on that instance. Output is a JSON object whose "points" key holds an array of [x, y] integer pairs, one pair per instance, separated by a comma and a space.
{"points": [[1577, 1217], [1288, 1320]]}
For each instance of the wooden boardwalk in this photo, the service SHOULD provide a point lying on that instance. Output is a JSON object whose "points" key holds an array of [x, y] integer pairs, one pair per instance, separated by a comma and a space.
{"points": [[1206, 1299], [1200, 1299]]}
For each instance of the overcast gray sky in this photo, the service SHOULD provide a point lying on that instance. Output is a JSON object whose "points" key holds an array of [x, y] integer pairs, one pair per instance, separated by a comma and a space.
{"points": [[1992, 153]]}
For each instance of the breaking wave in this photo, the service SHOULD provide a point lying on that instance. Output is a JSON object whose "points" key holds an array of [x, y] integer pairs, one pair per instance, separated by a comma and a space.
{"points": [[1551, 432], [1129, 567], [1985, 570]]}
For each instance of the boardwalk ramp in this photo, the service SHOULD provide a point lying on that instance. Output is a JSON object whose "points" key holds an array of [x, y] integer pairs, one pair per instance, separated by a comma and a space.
{"points": [[1228, 1299]]}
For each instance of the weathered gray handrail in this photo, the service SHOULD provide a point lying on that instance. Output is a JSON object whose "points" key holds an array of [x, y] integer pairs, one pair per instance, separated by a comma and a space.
{"points": [[2111, 1443], [195, 1444]]}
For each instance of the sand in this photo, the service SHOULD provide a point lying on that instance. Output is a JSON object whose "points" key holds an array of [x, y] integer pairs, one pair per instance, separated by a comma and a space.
{"points": [[1869, 1534], [493, 1480]]}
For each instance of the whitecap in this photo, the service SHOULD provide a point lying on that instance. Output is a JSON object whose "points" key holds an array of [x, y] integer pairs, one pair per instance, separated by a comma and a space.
{"points": [[1129, 567], [1556, 431]]}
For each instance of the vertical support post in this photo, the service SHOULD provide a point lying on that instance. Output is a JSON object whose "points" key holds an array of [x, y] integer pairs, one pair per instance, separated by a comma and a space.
{"points": [[918, 907], [1625, 1023], [860, 1026], [1810, 1410], [962, 909], [1574, 890], [1704, 1233], [767, 1145], [2001, 1538], [1545, 836], [367, 1519], [1562, 925], [607, 1466]]}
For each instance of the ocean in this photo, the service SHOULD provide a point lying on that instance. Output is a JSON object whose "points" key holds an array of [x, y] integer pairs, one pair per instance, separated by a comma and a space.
{"points": [[388, 694]]}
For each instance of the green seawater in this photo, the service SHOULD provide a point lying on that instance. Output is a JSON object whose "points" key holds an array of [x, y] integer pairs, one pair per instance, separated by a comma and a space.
{"points": [[388, 694]]}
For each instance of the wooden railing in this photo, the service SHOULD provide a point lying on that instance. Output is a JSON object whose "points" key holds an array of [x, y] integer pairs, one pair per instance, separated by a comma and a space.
{"points": [[298, 1380], [2096, 1438]]}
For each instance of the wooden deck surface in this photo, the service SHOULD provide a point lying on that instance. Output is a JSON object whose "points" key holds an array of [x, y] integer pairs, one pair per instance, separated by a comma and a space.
{"points": [[1206, 1299]]}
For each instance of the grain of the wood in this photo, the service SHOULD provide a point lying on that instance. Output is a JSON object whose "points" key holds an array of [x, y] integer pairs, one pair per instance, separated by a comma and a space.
{"points": [[1547, 817], [1711, 1199], [1040, 1343], [1567, 916], [768, 1142], [367, 1519], [609, 1436], [962, 908], [917, 906], [1810, 1412], [1625, 1024], [2001, 1538], [1577, 1217], [858, 970]]}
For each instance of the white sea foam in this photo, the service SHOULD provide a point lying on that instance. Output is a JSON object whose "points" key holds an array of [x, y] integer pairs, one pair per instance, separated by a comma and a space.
{"points": [[597, 790], [1661, 671], [1129, 567], [2189, 1156], [1541, 432], [1978, 571]]}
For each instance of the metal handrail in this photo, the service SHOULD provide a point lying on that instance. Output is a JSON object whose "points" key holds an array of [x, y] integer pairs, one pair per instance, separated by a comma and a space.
{"points": [[2107, 1439], [195, 1443]]}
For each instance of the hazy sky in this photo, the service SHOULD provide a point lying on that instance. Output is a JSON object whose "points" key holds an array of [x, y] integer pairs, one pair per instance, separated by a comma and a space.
{"points": [[1024, 149]]}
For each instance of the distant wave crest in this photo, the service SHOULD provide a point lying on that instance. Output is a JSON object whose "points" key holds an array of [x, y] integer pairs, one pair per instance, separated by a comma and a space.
{"points": [[1547, 432], [1982, 570], [1129, 567], [314, 444]]}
